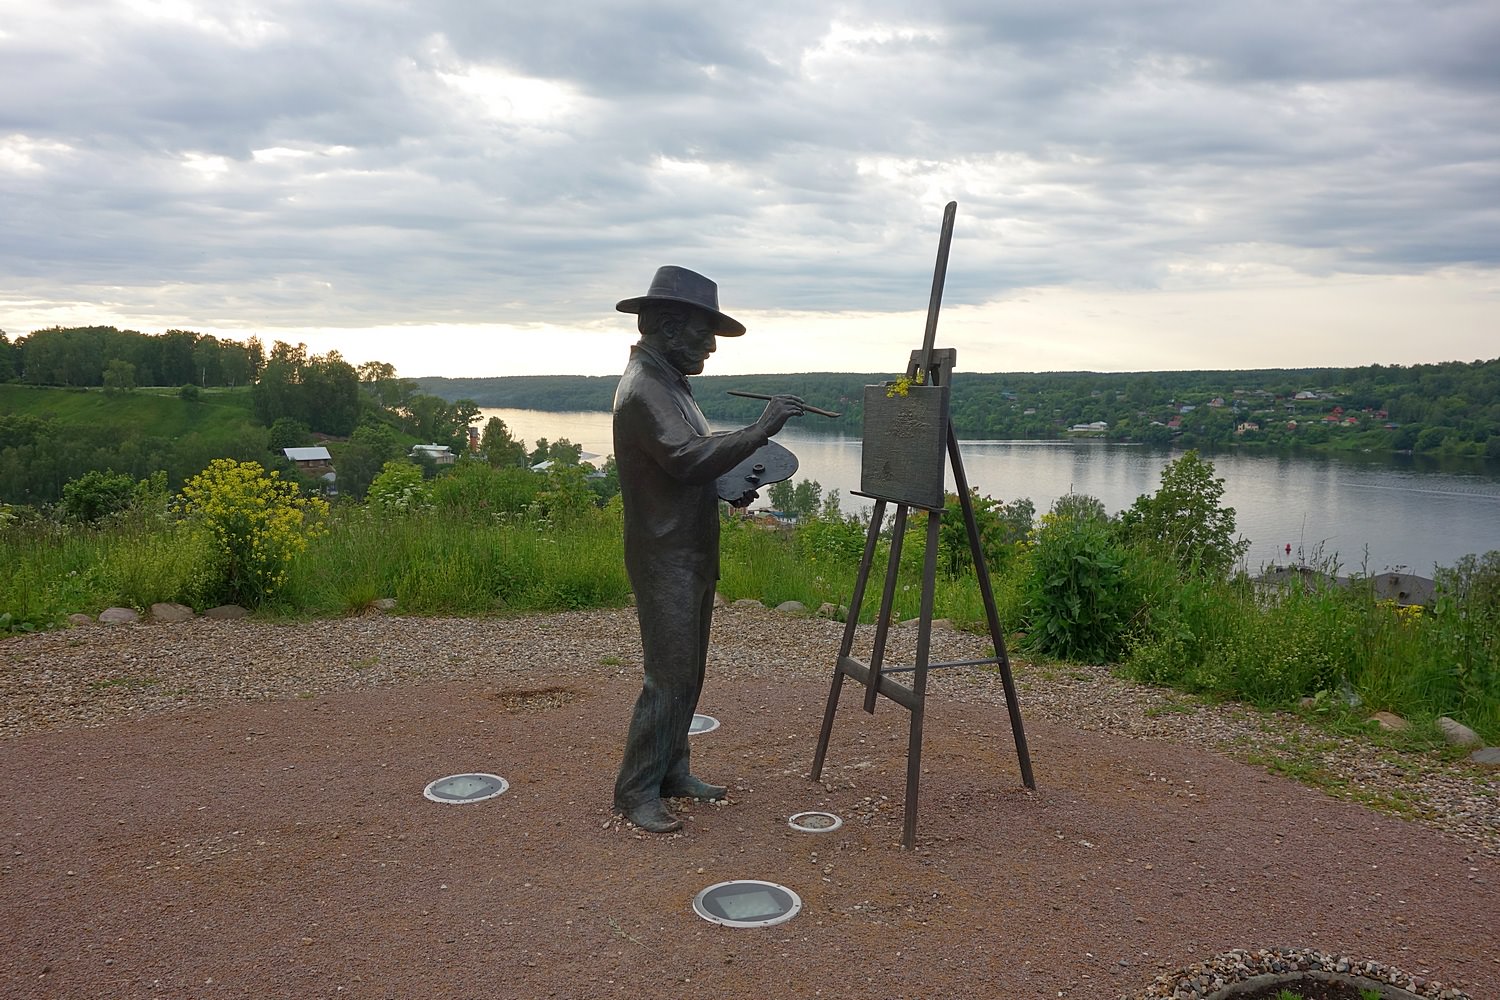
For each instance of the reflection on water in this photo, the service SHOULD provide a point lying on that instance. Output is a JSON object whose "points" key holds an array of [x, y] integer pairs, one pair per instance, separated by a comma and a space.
{"points": [[1407, 514]]}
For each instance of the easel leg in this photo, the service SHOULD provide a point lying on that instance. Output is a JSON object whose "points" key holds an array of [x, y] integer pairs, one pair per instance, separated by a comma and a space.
{"points": [[851, 621], [887, 602], [919, 679], [992, 615]]}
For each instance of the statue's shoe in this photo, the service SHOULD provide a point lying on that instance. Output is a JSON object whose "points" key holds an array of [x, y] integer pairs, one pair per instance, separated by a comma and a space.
{"points": [[653, 817], [693, 788]]}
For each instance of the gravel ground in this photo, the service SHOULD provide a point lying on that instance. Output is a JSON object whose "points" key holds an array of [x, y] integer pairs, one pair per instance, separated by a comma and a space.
{"points": [[100, 674], [1149, 845]]}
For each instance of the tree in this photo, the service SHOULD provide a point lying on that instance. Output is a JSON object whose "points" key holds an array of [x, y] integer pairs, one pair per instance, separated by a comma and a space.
{"points": [[1186, 518], [208, 356], [276, 392], [361, 459], [806, 497], [330, 391], [435, 420], [289, 432], [539, 453], [800, 500], [234, 364], [7, 358], [497, 445], [564, 452], [781, 496], [119, 376]]}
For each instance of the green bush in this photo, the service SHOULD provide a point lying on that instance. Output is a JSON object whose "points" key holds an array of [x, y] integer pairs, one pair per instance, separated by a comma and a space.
{"points": [[96, 495], [1081, 601], [1003, 530], [400, 488]]}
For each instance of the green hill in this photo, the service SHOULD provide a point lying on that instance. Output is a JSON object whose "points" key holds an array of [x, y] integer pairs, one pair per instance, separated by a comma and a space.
{"points": [[146, 412], [51, 435]]}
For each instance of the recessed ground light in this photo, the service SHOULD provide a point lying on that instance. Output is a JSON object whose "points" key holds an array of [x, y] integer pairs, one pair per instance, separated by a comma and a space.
{"points": [[702, 724], [815, 822], [461, 789], [747, 903]]}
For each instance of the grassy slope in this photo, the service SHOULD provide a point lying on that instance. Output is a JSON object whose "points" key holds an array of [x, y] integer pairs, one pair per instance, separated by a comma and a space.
{"points": [[152, 412]]}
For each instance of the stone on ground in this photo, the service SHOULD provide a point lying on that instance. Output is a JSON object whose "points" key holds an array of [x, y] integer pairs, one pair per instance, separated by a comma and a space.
{"points": [[1389, 722], [227, 612], [1486, 756], [795, 607], [1457, 734], [119, 616], [169, 612]]}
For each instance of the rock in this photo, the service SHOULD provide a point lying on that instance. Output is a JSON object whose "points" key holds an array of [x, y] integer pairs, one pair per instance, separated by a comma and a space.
{"points": [[77, 619], [827, 610], [383, 604], [1308, 702], [1486, 756], [719, 601], [747, 602], [936, 622], [1457, 734], [169, 613], [227, 613], [119, 616], [792, 607], [1389, 722]]}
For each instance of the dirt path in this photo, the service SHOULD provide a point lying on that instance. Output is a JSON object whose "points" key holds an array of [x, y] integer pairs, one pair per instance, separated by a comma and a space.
{"points": [[282, 848]]}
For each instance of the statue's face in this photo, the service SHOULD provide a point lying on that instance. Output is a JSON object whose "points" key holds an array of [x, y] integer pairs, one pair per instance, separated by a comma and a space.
{"points": [[688, 343]]}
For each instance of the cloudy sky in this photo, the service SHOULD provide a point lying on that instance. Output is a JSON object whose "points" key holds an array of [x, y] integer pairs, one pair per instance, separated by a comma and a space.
{"points": [[466, 188]]}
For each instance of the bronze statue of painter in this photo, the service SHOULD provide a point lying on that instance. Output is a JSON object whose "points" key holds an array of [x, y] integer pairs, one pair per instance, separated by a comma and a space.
{"points": [[669, 462]]}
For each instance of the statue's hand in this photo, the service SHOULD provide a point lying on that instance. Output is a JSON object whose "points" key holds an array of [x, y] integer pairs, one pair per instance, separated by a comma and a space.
{"points": [[746, 499], [779, 410]]}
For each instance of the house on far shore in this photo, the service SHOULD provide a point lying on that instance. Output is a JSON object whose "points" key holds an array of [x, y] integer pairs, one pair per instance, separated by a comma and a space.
{"points": [[439, 453]]}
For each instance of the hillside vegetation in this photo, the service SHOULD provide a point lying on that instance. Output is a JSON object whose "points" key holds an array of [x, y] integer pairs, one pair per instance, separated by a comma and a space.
{"points": [[1450, 409], [81, 400]]}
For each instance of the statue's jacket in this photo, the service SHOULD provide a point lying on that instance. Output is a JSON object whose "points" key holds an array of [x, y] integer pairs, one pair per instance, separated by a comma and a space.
{"points": [[669, 461]]}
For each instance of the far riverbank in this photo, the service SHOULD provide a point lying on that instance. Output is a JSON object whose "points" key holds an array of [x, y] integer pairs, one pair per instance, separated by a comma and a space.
{"points": [[1369, 512]]}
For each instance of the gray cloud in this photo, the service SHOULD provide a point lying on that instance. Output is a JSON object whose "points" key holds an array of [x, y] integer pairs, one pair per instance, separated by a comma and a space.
{"points": [[339, 163]]}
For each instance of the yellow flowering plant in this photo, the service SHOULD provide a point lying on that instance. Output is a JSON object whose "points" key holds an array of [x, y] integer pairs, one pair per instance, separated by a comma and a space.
{"points": [[257, 523], [902, 386]]}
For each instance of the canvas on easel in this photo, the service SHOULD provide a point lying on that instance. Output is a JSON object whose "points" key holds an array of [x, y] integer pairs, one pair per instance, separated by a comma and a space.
{"points": [[908, 444]]}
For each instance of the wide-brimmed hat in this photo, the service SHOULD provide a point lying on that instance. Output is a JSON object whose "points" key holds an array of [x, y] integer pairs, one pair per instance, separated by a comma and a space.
{"points": [[678, 284]]}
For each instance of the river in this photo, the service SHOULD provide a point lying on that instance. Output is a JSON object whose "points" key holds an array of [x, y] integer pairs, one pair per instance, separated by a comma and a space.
{"points": [[1370, 512]]}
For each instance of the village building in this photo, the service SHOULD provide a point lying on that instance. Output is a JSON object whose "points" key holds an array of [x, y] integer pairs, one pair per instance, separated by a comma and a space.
{"points": [[439, 453], [314, 463], [310, 461]]}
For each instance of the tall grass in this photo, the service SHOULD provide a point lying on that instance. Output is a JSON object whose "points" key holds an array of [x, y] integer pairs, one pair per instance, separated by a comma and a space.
{"points": [[1221, 637], [50, 570], [1333, 644], [436, 563]]}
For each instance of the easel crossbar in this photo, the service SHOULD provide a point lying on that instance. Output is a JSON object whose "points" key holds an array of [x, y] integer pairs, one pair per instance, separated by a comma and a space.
{"points": [[894, 690]]}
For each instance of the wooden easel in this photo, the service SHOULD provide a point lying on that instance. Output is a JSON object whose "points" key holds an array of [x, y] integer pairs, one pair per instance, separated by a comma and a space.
{"points": [[912, 485]]}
